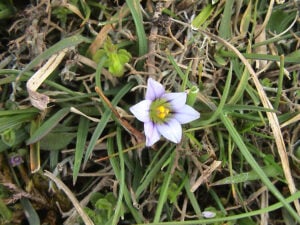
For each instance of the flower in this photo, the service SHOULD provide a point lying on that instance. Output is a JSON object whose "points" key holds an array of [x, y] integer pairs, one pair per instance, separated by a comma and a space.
{"points": [[163, 113], [208, 214], [15, 160]]}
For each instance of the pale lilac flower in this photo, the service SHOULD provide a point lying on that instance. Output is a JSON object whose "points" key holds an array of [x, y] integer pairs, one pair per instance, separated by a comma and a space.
{"points": [[163, 113], [208, 214], [15, 160]]}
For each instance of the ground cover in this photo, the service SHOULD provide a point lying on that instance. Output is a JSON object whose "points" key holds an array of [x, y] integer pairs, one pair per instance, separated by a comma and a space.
{"points": [[149, 112]]}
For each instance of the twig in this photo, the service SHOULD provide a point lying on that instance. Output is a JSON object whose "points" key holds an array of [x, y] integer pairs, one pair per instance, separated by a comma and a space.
{"points": [[138, 135], [72, 198]]}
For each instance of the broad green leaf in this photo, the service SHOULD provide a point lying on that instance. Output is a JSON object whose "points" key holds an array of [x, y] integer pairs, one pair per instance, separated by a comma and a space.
{"points": [[280, 21], [56, 141]]}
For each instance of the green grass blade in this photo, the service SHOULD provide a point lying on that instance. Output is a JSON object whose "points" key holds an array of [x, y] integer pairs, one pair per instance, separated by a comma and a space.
{"points": [[270, 171], [288, 59], [223, 99], [192, 197], [62, 44], [104, 120], [178, 70], [134, 6], [9, 122], [250, 108], [118, 209], [239, 91], [270, 208], [31, 214], [82, 133], [164, 189], [280, 83], [202, 17], [153, 169], [225, 26], [253, 163], [115, 165], [32, 111], [47, 126]]}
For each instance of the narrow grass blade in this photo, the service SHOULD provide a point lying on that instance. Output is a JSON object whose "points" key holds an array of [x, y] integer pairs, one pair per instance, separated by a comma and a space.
{"points": [[250, 108], [9, 122], [134, 6], [104, 120], [153, 169], [83, 129], [271, 208], [280, 82], [288, 59], [270, 171], [202, 17], [32, 111], [164, 189], [223, 99], [127, 195], [192, 198], [274, 124], [253, 163], [178, 70], [62, 44], [31, 214], [118, 209], [225, 26], [47, 126]]}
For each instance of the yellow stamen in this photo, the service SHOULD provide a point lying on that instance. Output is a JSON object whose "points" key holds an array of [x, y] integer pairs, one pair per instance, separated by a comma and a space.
{"points": [[162, 112]]}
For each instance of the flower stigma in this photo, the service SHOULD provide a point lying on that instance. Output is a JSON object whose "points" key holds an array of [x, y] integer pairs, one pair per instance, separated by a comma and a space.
{"points": [[160, 111]]}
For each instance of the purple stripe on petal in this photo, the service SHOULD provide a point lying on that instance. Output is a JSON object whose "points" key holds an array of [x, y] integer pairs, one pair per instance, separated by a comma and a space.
{"points": [[171, 130], [177, 99], [154, 90], [151, 133], [141, 110], [186, 114]]}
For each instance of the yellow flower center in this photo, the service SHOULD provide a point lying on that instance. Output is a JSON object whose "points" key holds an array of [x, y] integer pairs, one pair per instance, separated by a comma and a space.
{"points": [[162, 112]]}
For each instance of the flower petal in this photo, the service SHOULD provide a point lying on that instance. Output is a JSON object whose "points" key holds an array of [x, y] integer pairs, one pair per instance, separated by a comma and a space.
{"points": [[154, 90], [141, 110], [186, 114], [171, 130], [177, 99], [151, 133]]}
